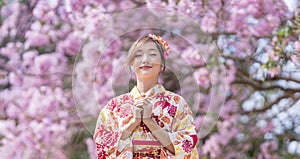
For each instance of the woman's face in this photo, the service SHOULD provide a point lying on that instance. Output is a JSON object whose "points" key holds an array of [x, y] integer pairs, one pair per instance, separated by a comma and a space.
{"points": [[147, 61]]}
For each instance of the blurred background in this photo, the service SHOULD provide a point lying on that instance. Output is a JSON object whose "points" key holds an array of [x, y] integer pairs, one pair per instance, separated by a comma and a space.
{"points": [[236, 62]]}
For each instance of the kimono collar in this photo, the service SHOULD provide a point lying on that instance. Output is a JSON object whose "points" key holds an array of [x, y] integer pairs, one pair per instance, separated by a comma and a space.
{"points": [[157, 89]]}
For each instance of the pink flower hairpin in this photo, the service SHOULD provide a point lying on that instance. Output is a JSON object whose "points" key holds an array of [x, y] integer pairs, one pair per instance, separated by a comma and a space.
{"points": [[162, 42]]}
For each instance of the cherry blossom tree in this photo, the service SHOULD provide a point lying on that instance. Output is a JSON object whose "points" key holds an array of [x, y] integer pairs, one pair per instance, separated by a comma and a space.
{"points": [[62, 60]]}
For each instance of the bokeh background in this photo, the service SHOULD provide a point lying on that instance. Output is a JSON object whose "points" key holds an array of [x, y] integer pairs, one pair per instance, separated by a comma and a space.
{"points": [[238, 68]]}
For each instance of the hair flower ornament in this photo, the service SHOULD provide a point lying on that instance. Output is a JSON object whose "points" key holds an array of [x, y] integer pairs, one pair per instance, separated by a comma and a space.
{"points": [[164, 44]]}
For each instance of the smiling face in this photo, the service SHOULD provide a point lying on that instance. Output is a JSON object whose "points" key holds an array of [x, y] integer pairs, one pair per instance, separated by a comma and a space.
{"points": [[146, 61]]}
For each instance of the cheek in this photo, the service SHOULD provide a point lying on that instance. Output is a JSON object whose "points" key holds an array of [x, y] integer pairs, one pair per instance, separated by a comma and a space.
{"points": [[158, 67], [157, 61], [135, 63]]}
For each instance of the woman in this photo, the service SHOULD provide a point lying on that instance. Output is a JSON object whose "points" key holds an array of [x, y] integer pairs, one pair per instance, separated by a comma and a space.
{"points": [[149, 121]]}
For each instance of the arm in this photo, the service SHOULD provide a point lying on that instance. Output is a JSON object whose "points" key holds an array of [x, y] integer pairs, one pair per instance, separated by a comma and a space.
{"points": [[107, 134], [183, 133], [127, 130], [161, 135]]}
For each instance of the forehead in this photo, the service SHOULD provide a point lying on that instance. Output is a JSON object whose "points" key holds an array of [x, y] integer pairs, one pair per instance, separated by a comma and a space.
{"points": [[147, 45]]}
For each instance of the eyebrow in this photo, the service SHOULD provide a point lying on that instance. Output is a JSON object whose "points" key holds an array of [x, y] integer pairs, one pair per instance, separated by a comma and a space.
{"points": [[148, 49], [152, 50]]}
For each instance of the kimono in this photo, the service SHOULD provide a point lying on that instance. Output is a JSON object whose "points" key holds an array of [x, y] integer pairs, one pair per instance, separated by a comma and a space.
{"points": [[170, 111]]}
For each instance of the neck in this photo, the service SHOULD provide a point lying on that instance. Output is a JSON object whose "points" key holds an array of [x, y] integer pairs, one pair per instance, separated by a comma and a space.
{"points": [[143, 85]]}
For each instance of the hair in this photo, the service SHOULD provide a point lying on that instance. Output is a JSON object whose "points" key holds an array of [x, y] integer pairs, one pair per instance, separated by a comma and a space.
{"points": [[138, 43]]}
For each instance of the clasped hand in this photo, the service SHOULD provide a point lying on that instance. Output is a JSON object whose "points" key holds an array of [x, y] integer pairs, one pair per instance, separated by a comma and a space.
{"points": [[142, 109]]}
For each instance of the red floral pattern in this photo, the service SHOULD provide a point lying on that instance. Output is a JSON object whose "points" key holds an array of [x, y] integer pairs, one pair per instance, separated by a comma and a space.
{"points": [[172, 110], [124, 110], [126, 98], [155, 117], [187, 145], [145, 128], [100, 151], [106, 137], [160, 100], [195, 139], [112, 104], [166, 105]]}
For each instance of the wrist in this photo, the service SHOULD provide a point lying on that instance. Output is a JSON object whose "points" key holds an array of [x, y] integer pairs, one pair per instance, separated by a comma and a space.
{"points": [[148, 121], [136, 120]]}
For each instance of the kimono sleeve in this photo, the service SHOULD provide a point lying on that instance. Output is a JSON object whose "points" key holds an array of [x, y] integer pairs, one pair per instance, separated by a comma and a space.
{"points": [[107, 135], [183, 134]]}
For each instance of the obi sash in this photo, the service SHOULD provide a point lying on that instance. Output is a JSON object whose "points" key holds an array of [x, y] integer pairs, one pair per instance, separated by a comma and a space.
{"points": [[147, 149]]}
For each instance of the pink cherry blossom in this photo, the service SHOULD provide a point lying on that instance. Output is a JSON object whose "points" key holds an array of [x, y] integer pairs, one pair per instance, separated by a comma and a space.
{"points": [[91, 148], [209, 23], [274, 71], [297, 46], [193, 56], [35, 38], [72, 44], [202, 77]]}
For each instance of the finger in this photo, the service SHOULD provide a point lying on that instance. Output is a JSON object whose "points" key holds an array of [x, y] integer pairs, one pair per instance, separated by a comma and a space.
{"points": [[148, 104], [146, 100], [140, 103], [137, 109], [138, 106]]}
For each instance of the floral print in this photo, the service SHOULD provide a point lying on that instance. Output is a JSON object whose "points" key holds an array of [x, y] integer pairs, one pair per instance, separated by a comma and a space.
{"points": [[105, 138], [123, 111], [112, 105], [170, 112], [186, 145]]}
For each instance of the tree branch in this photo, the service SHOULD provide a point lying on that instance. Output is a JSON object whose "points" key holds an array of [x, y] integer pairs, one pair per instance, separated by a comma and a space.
{"points": [[265, 88], [270, 105], [261, 85], [283, 78]]}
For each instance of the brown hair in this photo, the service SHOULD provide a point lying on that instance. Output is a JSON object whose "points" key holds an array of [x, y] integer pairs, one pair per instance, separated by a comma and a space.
{"points": [[139, 43]]}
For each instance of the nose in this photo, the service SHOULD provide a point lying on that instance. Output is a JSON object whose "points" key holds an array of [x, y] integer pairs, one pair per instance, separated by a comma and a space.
{"points": [[145, 58]]}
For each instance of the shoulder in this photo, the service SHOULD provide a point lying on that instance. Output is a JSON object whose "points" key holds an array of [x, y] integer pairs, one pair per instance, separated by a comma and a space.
{"points": [[182, 107], [178, 99]]}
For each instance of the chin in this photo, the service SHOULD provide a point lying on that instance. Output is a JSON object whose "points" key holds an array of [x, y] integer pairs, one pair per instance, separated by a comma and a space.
{"points": [[147, 76]]}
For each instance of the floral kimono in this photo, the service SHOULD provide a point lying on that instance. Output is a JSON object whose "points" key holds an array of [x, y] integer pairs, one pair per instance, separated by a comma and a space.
{"points": [[170, 112]]}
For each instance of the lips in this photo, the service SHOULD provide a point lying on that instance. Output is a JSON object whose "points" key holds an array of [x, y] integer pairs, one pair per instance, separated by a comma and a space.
{"points": [[145, 67]]}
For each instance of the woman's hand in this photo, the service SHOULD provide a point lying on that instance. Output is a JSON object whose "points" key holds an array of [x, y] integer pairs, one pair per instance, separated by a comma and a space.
{"points": [[146, 107], [137, 112], [147, 111], [134, 122]]}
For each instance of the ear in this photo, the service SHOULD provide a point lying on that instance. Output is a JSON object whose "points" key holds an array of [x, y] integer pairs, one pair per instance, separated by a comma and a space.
{"points": [[161, 68]]}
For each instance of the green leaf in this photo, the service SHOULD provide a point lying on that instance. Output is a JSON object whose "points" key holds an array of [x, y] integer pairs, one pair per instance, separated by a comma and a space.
{"points": [[281, 32]]}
